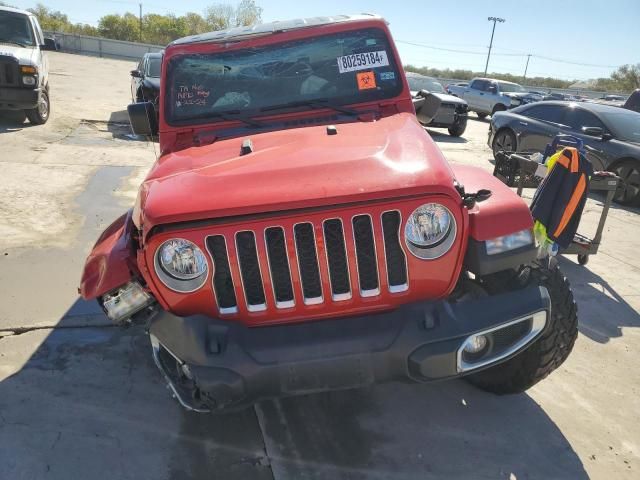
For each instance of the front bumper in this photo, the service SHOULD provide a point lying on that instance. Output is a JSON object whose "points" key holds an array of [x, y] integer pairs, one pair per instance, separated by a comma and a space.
{"points": [[213, 364], [13, 98]]}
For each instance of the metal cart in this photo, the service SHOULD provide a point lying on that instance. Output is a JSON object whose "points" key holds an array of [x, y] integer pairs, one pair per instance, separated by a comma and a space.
{"points": [[521, 171]]}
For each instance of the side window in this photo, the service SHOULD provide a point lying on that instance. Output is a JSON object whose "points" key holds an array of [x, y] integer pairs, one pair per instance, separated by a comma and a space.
{"points": [[479, 85], [578, 118], [546, 113]]}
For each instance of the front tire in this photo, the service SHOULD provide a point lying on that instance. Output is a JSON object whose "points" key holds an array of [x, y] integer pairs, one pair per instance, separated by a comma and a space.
{"points": [[481, 116], [458, 128], [40, 114], [504, 141], [628, 192], [498, 108], [550, 349]]}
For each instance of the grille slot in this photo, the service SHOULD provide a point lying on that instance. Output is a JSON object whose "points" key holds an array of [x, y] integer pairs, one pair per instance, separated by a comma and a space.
{"points": [[279, 266], [308, 263], [9, 72], [394, 255], [337, 259], [250, 271], [222, 280], [366, 255]]}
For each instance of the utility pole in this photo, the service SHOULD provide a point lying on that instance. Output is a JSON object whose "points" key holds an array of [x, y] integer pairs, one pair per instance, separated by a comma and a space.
{"points": [[140, 22], [494, 20], [526, 68]]}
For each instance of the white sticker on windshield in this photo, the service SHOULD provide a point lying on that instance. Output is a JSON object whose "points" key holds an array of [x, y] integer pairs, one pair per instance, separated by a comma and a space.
{"points": [[362, 61]]}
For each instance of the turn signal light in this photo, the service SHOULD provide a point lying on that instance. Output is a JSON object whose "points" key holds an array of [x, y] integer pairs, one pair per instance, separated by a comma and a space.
{"points": [[28, 69]]}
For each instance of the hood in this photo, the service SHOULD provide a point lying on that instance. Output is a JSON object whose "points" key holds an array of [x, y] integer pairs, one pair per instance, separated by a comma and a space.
{"points": [[293, 169], [523, 95], [25, 55]]}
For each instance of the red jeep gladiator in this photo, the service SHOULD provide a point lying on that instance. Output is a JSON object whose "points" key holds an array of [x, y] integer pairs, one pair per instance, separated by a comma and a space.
{"points": [[301, 232]]}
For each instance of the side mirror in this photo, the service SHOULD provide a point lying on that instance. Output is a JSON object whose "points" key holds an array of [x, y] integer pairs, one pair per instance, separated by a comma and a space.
{"points": [[136, 73], [593, 131], [143, 118], [493, 89], [49, 44]]}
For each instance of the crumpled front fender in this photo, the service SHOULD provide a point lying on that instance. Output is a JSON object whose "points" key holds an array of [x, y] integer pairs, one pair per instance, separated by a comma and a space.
{"points": [[111, 262]]}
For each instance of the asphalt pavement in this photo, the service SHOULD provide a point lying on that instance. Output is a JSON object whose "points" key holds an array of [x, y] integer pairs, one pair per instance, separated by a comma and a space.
{"points": [[80, 398]]}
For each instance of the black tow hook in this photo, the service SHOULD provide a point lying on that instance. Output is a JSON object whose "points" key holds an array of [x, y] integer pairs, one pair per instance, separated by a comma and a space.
{"points": [[470, 199]]}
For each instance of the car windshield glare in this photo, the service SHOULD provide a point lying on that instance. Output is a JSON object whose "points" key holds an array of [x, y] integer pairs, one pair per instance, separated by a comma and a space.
{"points": [[153, 67], [624, 123], [424, 83], [342, 68], [511, 87], [14, 28]]}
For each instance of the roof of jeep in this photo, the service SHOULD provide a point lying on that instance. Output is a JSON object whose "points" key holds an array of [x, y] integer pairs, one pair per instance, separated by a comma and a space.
{"points": [[237, 33]]}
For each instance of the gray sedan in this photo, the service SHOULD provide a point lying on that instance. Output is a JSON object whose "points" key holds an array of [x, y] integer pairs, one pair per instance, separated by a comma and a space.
{"points": [[611, 136]]}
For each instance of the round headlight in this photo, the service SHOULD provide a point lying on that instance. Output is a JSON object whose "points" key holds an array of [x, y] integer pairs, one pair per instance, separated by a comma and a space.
{"points": [[181, 265], [430, 231]]}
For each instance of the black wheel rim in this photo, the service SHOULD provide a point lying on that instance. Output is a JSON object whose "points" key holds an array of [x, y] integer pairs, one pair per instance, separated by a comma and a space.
{"points": [[43, 106], [504, 142], [629, 189]]}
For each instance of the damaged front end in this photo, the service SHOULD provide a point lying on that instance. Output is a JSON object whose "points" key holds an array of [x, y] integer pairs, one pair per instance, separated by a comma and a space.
{"points": [[111, 275]]}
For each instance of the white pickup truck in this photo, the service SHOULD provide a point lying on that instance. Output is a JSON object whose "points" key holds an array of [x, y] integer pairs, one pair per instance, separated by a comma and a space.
{"points": [[487, 96], [24, 66]]}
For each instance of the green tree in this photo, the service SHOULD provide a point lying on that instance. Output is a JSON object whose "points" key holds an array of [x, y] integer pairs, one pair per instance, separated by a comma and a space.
{"points": [[627, 77], [223, 15], [195, 23], [56, 21], [120, 27]]}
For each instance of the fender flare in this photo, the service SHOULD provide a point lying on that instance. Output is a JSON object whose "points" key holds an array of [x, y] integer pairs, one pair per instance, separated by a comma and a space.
{"points": [[112, 261]]}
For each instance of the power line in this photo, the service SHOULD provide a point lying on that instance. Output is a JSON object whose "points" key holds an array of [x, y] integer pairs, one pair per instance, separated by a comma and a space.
{"points": [[542, 57]]}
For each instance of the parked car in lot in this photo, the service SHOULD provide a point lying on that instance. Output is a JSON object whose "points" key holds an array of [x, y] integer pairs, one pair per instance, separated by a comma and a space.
{"points": [[487, 96], [452, 113], [24, 66], [633, 102], [145, 79], [611, 136], [301, 232]]}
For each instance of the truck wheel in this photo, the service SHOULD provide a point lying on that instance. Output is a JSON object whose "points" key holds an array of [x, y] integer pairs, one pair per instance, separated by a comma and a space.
{"points": [[481, 116], [458, 128], [551, 348], [40, 114]]}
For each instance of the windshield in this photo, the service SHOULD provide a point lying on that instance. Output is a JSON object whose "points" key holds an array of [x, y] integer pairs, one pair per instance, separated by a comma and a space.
{"points": [[624, 123], [425, 83], [511, 87], [15, 28], [153, 67], [344, 68]]}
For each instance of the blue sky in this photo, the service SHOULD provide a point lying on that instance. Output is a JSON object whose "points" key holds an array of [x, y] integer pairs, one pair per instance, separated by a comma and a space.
{"points": [[602, 34]]}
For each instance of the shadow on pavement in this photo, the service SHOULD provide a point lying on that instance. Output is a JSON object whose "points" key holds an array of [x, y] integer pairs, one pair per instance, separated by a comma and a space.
{"points": [[444, 137], [12, 121], [88, 402], [602, 312]]}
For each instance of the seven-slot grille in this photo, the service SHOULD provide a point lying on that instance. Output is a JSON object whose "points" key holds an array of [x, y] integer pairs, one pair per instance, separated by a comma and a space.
{"points": [[276, 282], [9, 72]]}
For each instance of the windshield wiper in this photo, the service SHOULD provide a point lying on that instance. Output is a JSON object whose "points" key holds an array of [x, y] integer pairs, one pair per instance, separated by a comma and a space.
{"points": [[6, 40], [230, 115], [315, 103]]}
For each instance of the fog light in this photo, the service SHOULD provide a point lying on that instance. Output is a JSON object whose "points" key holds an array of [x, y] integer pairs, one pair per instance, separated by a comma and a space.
{"points": [[475, 344], [123, 302], [28, 80]]}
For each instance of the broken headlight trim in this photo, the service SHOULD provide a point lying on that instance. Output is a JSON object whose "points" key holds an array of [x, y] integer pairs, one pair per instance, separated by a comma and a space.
{"points": [[181, 265], [120, 304], [509, 242], [430, 231]]}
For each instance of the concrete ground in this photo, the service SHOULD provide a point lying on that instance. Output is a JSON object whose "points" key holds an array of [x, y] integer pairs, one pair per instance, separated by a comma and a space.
{"points": [[82, 399]]}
